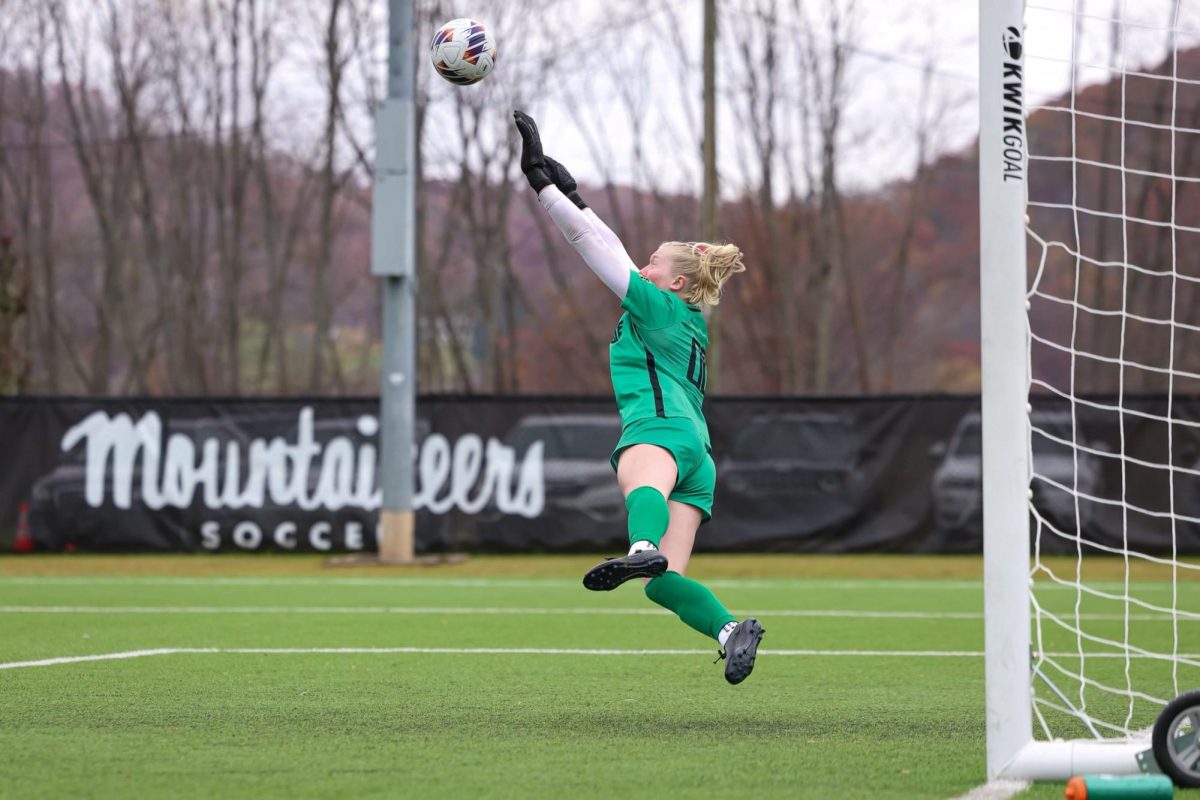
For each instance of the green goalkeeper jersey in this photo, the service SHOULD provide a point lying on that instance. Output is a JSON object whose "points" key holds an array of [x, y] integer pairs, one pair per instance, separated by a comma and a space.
{"points": [[656, 357]]}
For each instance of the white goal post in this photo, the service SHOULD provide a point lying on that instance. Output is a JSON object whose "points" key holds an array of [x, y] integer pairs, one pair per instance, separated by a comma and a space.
{"points": [[1077, 660]]}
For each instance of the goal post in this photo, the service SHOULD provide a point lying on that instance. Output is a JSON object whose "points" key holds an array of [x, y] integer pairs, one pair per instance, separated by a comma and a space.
{"points": [[1004, 381], [1016, 748]]}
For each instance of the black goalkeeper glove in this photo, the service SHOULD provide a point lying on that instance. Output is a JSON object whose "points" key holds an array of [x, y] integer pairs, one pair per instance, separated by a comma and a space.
{"points": [[533, 163], [564, 181]]}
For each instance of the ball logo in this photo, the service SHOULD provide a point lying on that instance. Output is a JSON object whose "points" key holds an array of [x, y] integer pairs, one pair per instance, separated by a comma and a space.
{"points": [[1012, 43]]}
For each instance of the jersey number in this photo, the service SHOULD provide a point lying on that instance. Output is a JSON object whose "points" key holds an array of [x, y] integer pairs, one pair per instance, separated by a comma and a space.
{"points": [[697, 367]]}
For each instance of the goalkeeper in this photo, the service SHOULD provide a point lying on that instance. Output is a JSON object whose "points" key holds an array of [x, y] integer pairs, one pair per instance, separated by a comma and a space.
{"points": [[656, 360]]}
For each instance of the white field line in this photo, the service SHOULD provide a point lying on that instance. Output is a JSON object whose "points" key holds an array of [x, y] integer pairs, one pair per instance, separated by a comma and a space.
{"points": [[484, 610], [467, 610], [463, 583], [532, 651], [50, 662], [531, 583], [995, 790]]}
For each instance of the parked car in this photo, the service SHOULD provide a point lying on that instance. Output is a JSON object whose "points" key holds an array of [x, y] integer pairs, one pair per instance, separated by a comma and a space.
{"points": [[811, 470], [583, 507], [575, 458], [957, 482]]}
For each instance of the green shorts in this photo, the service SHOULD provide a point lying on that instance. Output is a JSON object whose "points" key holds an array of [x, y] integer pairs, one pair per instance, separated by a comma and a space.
{"points": [[697, 472]]}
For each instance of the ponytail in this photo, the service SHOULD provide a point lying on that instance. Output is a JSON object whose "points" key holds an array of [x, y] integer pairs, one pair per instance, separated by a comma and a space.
{"points": [[706, 266]]}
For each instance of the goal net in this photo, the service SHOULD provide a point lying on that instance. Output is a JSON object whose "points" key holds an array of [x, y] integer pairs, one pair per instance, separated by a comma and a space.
{"points": [[1090, 306]]}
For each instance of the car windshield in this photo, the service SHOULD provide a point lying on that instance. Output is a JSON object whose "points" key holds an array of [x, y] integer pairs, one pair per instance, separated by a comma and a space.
{"points": [[970, 444], [969, 441], [832, 441], [572, 440]]}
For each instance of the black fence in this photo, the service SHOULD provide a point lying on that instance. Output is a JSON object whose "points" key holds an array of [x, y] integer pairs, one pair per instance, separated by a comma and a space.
{"points": [[527, 474]]}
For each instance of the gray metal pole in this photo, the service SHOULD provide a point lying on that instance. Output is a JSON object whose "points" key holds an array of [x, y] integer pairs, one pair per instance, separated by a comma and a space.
{"points": [[708, 222], [711, 190], [393, 258]]}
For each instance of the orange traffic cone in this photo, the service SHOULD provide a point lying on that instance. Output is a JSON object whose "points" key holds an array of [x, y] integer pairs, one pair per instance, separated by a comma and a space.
{"points": [[23, 543]]}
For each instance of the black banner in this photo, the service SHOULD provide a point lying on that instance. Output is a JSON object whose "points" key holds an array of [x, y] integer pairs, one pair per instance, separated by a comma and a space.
{"points": [[528, 474]]}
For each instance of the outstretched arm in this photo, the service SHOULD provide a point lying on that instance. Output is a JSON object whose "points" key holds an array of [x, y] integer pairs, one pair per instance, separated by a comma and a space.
{"points": [[587, 241], [609, 238], [612, 269], [567, 185]]}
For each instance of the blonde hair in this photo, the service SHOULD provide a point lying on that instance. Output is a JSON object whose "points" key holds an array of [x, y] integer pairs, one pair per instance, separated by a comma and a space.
{"points": [[706, 266]]}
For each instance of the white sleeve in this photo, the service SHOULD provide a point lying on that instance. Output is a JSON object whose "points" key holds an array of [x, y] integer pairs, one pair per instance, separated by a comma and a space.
{"points": [[609, 237], [611, 268]]}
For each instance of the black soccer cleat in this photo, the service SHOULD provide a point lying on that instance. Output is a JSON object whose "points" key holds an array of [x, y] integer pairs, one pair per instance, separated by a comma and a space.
{"points": [[615, 571], [740, 649]]}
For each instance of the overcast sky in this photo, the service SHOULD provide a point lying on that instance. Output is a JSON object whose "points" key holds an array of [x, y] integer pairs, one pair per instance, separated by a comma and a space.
{"points": [[623, 58], [889, 48], [616, 59]]}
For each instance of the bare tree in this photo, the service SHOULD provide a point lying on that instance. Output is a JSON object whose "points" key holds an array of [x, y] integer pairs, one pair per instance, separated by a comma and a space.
{"points": [[89, 120], [222, 245], [282, 214], [178, 193], [828, 78], [754, 98], [25, 172], [231, 174], [483, 149], [14, 297], [334, 66], [930, 115], [131, 78]]}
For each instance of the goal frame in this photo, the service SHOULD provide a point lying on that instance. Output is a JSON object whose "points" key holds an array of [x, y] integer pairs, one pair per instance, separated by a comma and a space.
{"points": [[1012, 751]]}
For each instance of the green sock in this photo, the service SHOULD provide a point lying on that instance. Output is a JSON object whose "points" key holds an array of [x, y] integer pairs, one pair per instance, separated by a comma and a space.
{"points": [[648, 515], [691, 600]]}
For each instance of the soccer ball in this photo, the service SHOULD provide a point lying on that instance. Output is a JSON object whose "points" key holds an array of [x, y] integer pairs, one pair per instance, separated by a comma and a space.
{"points": [[463, 51]]}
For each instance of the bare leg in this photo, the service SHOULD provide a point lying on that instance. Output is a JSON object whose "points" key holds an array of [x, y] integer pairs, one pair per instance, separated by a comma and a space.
{"points": [[680, 537], [646, 465]]}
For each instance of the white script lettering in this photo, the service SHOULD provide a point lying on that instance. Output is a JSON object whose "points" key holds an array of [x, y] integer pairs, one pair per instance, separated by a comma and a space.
{"points": [[176, 470]]}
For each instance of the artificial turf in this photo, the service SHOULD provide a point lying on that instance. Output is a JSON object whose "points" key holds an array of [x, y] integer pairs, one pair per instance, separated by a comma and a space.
{"points": [[870, 683]]}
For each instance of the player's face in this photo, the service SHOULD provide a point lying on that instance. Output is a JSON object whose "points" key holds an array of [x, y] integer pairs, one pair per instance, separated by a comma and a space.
{"points": [[659, 271]]}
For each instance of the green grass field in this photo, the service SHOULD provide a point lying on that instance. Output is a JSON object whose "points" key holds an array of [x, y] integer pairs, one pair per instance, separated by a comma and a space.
{"points": [[497, 677]]}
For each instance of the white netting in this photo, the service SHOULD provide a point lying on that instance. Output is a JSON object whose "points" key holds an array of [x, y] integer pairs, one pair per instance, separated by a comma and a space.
{"points": [[1113, 134]]}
